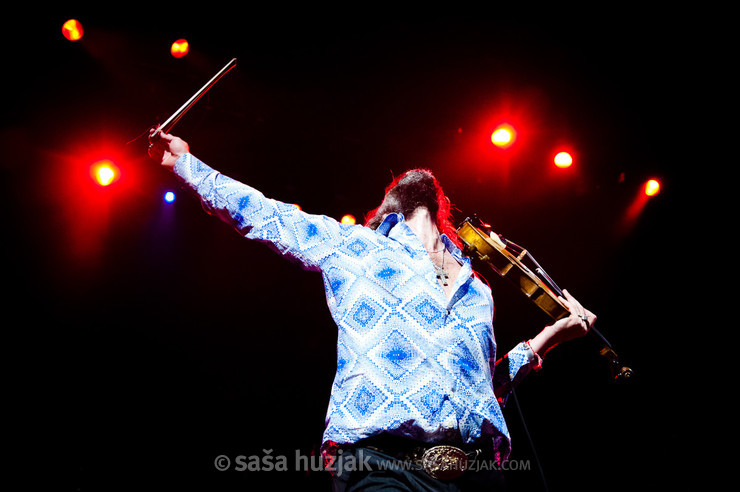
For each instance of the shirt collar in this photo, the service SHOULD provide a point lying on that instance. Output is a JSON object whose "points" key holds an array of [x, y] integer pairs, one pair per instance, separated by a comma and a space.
{"points": [[393, 219], [389, 222]]}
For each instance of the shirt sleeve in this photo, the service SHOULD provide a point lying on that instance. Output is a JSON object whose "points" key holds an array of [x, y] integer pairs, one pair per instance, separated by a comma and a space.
{"points": [[512, 368], [302, 237]]}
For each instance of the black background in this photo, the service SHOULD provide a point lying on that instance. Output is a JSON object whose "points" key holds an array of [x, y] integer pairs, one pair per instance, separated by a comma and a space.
{"points": [[145, 339]]}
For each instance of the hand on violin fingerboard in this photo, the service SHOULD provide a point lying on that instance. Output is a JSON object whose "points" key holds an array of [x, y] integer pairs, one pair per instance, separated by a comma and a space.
{"points": [[576, 325]]}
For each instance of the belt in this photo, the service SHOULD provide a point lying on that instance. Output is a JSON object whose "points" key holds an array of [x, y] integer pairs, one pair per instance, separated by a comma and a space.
{"points": [[440, 461]]}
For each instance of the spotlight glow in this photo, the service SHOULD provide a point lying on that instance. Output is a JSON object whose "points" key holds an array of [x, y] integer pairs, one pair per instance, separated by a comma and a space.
{"points": [[563, 160], [104, 172], [169, 197], [503, 136], [652, 187], [180, 48], [72, 30], [348, 219]]}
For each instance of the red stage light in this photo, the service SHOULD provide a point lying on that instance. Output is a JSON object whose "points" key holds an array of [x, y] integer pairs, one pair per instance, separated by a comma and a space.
{"points": [[563, 160], [72, 30], [635, 209], [180, 48], [503, 136], [652, 187], [348, 219], [104, 172]]}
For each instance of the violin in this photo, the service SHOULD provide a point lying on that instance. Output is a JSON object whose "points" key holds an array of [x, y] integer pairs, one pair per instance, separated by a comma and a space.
{"points": [[511, 261]]}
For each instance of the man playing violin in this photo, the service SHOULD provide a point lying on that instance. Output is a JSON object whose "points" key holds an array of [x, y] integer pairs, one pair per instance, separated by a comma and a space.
{"points": [[417, 396]]}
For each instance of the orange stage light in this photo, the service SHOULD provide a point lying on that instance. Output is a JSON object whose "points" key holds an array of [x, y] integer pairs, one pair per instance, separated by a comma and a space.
{"points": [[652, 187], [180, 48], [348, 219], [72, 30]]}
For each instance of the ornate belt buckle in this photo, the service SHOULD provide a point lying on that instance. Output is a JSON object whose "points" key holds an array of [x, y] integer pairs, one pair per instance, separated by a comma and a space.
{"points": [[444, 462]]}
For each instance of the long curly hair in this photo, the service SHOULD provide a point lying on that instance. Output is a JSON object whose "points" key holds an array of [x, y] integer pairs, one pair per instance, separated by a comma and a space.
{"points": [[413, 189]]}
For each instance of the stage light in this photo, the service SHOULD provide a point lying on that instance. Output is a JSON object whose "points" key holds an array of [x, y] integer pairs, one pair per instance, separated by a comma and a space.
{"points": [[643, 195], [180, 48], [169, 197], [72, 30], [105, 175], [348, 219], [503, 136], [563, 160], [652, 187], [104, 172]]}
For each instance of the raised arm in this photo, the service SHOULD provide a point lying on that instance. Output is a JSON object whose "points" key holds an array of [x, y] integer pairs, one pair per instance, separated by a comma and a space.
{"points": [[307, 238]]}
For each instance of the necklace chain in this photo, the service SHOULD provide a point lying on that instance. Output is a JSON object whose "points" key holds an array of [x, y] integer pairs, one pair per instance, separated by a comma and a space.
{"points": [[440, 270], [444, 248]]}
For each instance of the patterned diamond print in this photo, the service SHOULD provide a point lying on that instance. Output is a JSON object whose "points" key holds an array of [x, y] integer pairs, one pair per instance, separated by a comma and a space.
{"points": [[482, 333], [358, 247], [246, 207], [337, 433], [428, 400], [270, 231], [363, 315], [396, 355], [396, 414], [474, 297], [200, 167], [234, 192], [473, 419], [425, 311], [338, 281], [516, 360], [346, 358], [461, 361], [307, 234], [390, 274], [469, 367], [365, 400], [243, 202], [207, 187]]}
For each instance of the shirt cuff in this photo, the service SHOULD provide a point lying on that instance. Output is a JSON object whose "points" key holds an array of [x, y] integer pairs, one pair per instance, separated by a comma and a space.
{"points": [[190, 169], [534, 359]]}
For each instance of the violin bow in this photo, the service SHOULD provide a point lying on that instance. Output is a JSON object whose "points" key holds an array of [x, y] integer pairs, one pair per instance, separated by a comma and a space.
{"points": [[170, 122]]}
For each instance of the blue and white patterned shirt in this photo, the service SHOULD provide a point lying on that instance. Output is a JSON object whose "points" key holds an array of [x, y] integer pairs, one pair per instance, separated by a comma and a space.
{"points": [[409, 361]]}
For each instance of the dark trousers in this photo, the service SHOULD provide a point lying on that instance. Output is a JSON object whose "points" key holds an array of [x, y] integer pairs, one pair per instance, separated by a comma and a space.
{"points": [[365, 469]]}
